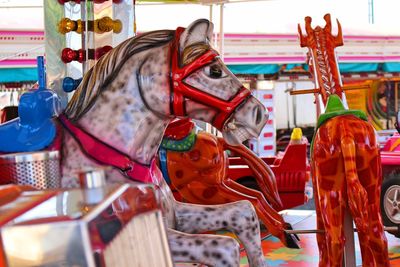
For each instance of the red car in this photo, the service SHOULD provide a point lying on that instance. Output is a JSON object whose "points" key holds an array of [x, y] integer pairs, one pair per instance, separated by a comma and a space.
{"points": [[390, 192], [291, 169]]}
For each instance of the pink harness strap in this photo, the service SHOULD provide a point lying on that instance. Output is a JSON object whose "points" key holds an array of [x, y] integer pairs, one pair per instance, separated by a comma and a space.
{"points": [[106, 155]]}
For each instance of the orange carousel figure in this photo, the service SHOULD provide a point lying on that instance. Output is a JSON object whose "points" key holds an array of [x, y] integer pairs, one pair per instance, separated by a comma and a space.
{"points": [[345, 159], [195, 166]]}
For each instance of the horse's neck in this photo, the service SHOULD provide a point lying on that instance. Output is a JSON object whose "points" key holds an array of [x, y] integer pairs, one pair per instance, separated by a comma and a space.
{"points": [[327, 75], [137, 133], [146, 135], [327, 71], [121, 118]]}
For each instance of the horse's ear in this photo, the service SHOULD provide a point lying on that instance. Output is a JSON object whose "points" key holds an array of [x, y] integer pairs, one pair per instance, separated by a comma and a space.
{"points": [[200, 32]]}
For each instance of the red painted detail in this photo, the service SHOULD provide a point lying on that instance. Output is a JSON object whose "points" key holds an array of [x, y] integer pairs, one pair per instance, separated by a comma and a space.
{"points": [[179, 174], [267, 96], [106, 155], [180, 90], [329, 168], [195, 155], [179, 129], [210, 192], [291, 172], [269, 122], [101, 51], [266, 135], [13, 85], [268, 147], [68, 55]]}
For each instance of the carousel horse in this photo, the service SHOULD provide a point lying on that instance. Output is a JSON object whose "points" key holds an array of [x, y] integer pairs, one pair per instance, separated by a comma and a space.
{"points": [[195, 167], [117, 117], [346, 169]]}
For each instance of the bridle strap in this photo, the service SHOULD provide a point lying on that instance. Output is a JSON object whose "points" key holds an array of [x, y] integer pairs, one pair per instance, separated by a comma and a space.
{"points": [[104, 154], [181, 90]]}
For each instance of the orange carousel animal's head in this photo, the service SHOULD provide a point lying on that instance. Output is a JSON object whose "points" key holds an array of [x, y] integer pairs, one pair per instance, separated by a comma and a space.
{"points": [[321, 56]]}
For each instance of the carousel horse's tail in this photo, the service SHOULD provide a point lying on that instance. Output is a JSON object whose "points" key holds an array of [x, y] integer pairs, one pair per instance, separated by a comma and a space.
{"points": [[369, 229], [356, 193], [265, 178]]}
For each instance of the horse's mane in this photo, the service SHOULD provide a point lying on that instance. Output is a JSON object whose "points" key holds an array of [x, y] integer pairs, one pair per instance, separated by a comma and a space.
{"points": [[100, 76]]}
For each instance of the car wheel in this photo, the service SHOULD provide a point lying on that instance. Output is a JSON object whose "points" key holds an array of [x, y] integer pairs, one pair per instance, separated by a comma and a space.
{"points": [[390, 202]]}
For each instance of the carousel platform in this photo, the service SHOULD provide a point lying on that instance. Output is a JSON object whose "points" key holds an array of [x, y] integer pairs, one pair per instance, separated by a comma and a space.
{"points": [[276, 255], [307, 256]]}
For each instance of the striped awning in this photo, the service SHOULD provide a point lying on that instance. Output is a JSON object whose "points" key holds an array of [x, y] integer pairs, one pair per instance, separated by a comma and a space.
{"points": [[243, 53], [285, 49]]}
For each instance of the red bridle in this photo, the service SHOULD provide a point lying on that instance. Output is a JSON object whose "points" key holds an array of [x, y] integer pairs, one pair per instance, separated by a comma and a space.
{"points": [[181, 90]]}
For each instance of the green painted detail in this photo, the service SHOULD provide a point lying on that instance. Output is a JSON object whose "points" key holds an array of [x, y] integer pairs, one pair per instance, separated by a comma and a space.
{"points": [[334, 108], [184, 144]]}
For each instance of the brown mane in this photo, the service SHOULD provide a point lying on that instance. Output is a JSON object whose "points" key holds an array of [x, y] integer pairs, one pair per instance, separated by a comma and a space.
{"points": [[97, 79]]}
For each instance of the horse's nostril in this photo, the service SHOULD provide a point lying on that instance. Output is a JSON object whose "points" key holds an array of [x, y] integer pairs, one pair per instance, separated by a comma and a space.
{"points": [[258, 114]]}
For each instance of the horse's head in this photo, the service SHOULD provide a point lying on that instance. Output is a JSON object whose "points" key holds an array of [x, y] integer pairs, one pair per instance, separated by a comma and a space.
{"points": [[203, 88], [150, 79], [322, 59]]}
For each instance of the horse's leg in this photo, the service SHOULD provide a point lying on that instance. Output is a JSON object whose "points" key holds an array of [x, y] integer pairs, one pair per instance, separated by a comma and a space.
{"points": [[211, 250], [357, 199], [332, 204], [321, 237], [238, 217], [269, 216], [232, 191], [364, 202], [376, 233], [321, 240]]}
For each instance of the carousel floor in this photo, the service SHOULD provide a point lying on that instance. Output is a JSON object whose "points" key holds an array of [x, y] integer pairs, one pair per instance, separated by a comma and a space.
{"points": [[307, 256], [278, 256]]}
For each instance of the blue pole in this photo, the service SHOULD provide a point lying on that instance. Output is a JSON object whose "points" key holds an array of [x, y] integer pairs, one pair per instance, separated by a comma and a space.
{"points": [[41, 73]]}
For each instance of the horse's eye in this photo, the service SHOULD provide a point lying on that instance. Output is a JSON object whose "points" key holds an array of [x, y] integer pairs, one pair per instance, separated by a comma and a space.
{"points": [[214, 71]]}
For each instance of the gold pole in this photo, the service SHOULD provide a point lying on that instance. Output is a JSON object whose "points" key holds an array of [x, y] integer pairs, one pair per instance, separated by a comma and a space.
{"points": [[316, 91]]}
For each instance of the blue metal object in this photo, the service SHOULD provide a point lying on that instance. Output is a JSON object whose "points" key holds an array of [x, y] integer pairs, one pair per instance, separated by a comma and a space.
{"points": [[34, 129], [162, 156], [41, 73], [69, 84]]}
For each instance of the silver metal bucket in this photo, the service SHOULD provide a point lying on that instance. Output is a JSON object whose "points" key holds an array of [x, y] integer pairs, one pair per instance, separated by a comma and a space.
{"points": [[38, 169]]}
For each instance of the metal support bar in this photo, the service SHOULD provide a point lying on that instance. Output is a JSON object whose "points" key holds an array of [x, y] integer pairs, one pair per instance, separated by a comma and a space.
{"points": [[316, 91], [318, 231], [221, 31], [349, 257], [349, 249]]}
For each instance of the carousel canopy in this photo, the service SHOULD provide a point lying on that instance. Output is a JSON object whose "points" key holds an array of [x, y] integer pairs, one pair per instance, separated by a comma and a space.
{"points": [[260, 36], [243, 53]]}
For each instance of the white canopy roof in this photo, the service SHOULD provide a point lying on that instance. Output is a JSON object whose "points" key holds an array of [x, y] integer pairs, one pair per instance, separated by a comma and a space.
{"points": [[243, 17]]}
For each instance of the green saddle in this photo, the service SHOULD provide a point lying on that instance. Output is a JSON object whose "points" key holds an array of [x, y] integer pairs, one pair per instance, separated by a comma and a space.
{"points": [[334, 108]]}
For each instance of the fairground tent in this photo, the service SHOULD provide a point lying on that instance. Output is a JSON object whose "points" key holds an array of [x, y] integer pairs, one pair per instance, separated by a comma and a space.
{"points": [[259, 36]]}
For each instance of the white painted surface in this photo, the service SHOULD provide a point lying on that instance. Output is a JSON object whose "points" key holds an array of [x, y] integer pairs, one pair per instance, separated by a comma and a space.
{"points": [[285, 104]]}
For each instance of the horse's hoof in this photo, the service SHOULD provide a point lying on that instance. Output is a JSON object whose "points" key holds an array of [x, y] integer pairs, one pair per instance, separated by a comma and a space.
{"points": [[292, 240]]}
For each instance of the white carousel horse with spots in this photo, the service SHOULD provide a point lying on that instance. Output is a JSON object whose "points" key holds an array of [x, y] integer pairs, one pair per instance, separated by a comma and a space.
{"points": [[127, 100]]}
